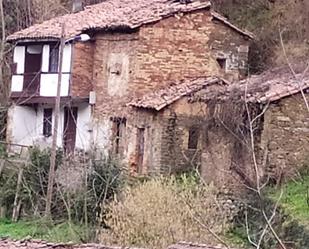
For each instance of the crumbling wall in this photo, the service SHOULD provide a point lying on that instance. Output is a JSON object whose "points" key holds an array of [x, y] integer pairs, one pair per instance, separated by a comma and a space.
{"points": [[286, 136], [281, 147], [151, 122], [177, 121]]}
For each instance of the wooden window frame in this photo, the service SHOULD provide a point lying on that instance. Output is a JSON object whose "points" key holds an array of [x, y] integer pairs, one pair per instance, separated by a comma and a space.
{"points": [[53, 60], [118, 126], [47, 122]]}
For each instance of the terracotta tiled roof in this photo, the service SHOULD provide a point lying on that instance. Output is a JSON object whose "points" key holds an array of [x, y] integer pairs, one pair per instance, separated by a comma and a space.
{"points": [[268, 87], [39, 244], [186, 245], [114, 14], [159, 99], [277, 88]]}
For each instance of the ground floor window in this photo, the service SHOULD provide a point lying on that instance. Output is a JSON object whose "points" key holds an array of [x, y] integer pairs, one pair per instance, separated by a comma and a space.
{"points": [[47, 122]]}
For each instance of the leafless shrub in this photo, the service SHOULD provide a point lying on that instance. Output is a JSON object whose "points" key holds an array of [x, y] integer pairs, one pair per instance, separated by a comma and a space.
{"points": [[163, 211]]}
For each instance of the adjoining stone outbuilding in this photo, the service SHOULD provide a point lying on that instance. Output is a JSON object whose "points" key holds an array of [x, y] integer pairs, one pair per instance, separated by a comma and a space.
{"points": [[274, 103], [204, 124], [170, 128]]}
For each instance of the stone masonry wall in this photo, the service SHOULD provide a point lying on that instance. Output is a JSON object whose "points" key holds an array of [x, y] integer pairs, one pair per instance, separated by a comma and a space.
{"points": [[184, 47], [166, 137], [114, 68], [152, 122], [286, 136], [176, 123], [161, 53], [82, 69], [224, 44]]}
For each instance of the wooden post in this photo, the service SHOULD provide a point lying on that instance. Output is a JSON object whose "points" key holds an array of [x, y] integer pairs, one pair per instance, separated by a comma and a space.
{"points": [[51, 175], [17, 202]]}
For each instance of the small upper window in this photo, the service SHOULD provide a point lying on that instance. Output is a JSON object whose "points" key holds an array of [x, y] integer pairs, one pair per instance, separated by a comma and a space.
{"points": [[222, 63], [193, 138], [53, 58], [47, 122]]}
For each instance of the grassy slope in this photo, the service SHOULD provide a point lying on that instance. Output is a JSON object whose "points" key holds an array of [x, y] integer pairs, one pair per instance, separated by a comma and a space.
{"points": [[42, 230], [295, 199]]}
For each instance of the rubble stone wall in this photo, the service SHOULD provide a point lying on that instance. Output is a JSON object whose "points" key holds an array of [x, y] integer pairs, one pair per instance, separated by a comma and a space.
{"points": [[286, 136]]}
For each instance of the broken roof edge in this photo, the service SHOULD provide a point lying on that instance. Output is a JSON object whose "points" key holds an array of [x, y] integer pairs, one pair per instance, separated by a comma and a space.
{"points": [[166, 96], [223, 19]]}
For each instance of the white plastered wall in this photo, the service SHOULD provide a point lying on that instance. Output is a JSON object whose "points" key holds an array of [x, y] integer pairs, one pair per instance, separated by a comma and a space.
{"points": [[19, 59], [49, 84], [102, 131], [25, 126], [83, 128]]}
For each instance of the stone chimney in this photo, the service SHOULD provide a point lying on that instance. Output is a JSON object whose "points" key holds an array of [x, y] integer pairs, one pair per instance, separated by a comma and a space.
{"points": [[77, 6]]}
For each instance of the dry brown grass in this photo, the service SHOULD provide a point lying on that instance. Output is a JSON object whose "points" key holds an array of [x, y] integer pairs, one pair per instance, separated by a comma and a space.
{"points": [[163, 211]]}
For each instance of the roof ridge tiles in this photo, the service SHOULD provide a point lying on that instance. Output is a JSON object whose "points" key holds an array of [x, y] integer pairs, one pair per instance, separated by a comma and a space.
{"points": [[112, 14], [170, 94]]}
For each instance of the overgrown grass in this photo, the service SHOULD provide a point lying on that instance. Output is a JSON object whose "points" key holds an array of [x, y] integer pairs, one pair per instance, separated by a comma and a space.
{"points": [[295, 199], [40, 229], [237, 238]]}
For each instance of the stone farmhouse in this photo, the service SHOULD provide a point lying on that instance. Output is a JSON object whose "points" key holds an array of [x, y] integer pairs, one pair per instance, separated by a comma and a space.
{"points": [[126, 92]]}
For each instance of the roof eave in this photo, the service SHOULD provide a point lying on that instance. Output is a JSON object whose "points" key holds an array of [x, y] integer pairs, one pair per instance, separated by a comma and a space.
{"points": [[221, 18], [32, 39]]}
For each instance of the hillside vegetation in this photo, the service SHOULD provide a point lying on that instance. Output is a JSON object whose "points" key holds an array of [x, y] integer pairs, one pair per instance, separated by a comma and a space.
{"points": [[267, 19]]}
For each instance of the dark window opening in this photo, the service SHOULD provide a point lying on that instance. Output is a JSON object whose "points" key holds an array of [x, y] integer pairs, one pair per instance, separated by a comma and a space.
{"points": [[193, 138], [33, 61], [222, 63], [53, 58], [47, 122], [119, 125]]}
